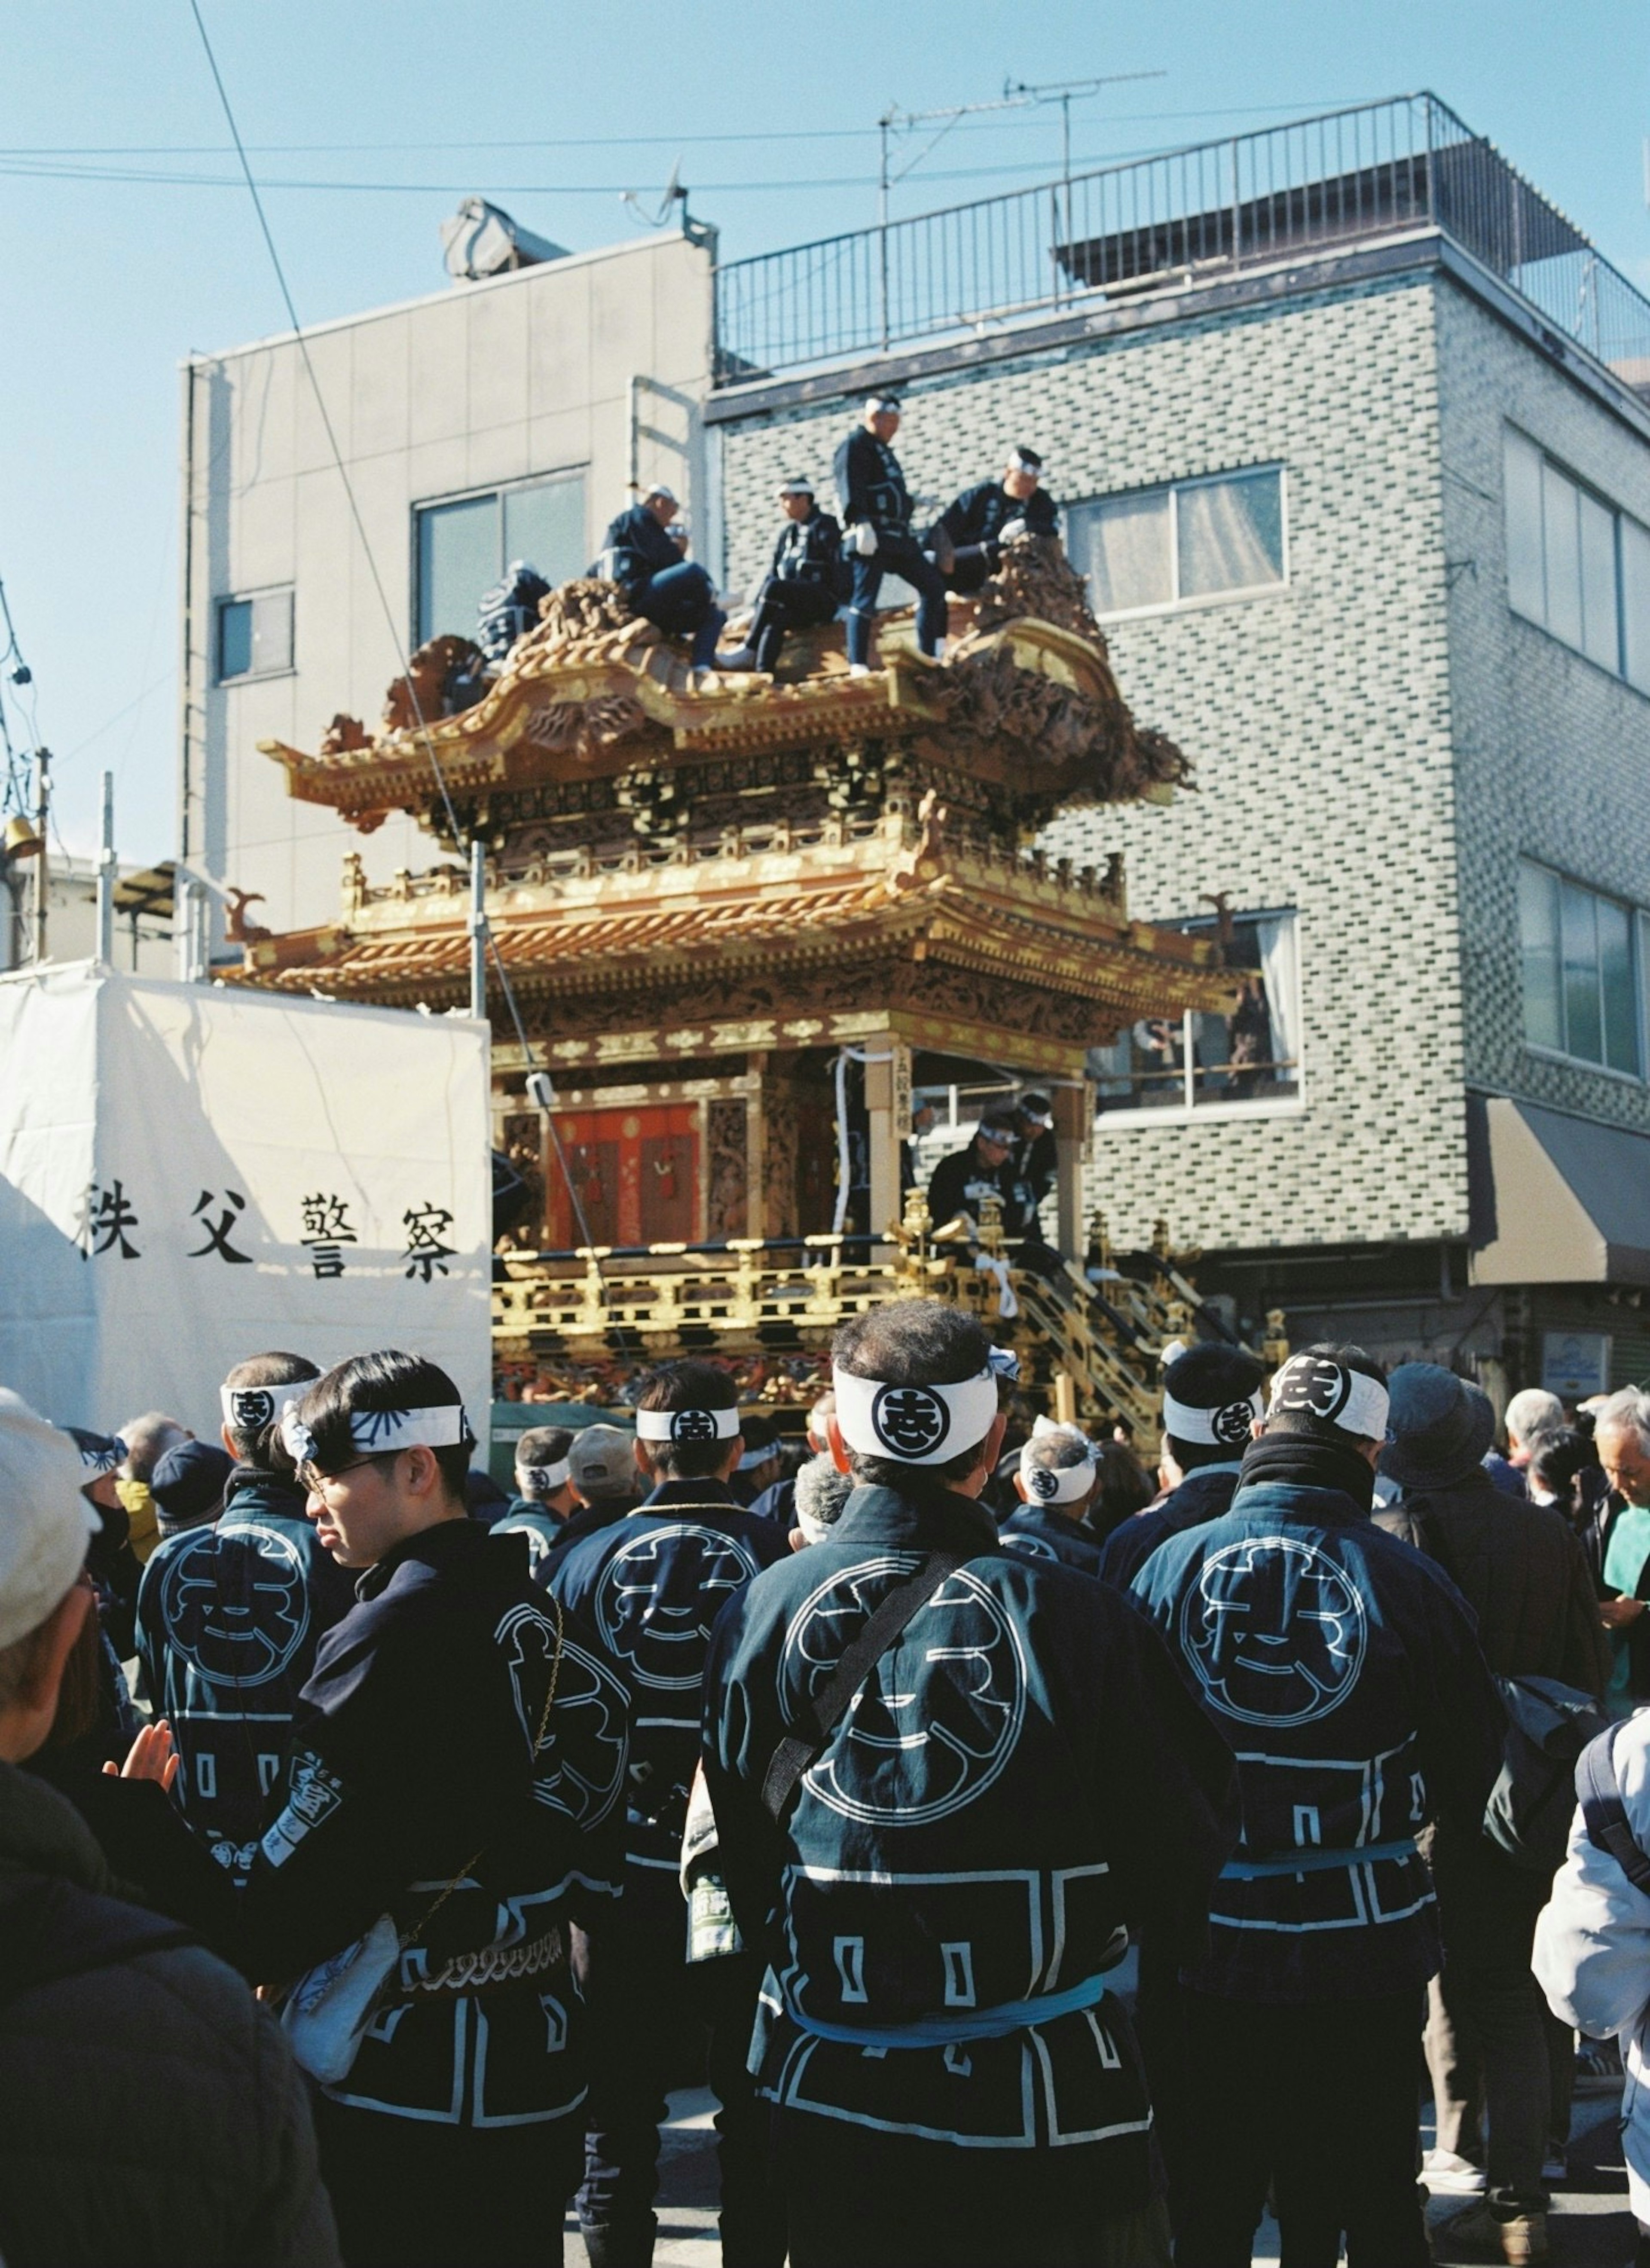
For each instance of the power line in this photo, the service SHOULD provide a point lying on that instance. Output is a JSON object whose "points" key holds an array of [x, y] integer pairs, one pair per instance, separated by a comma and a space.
{"points": [[394, 627]]}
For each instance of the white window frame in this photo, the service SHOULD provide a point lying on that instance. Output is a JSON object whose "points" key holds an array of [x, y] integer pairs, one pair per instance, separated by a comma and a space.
{"points": [[1175, 604], [498, 491], [254, 677], [1189, 1113], [1639, 959], [1620, 521]]}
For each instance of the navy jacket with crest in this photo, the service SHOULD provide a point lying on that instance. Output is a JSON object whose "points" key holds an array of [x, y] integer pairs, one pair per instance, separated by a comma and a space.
{"points": [[1023, 1772], [651, 1586], [1344, 1668], [229, 1619], [1040, 1532], [413, 1789]]}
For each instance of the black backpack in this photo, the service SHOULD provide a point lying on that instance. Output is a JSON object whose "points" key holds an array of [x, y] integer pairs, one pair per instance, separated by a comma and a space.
{"points": [[1550, 1729], [1602, 1811], [1547, 1726]]}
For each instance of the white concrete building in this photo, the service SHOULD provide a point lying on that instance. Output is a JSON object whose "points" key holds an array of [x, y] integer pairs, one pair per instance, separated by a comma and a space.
{"points": [[489, 421]]}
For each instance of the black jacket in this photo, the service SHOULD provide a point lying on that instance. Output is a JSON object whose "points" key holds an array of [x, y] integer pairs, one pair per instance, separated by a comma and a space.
{"points": [[1521, 1569], [809, 551], [150, 2113], [980, 514], [413, 1765], [640, 547], [229, 1618], [959, 1181], [1204, 1494], [1023, 1772], [871, 485], [1039, 1532]]}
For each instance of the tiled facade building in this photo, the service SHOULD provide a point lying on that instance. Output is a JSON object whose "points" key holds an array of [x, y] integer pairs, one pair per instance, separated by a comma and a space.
{"points": [[1354, 457]]}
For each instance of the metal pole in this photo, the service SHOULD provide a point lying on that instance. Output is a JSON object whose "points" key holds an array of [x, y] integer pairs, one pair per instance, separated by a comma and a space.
{"points": [[42, 807], [882, 227], [106, 877], [478, 930]]}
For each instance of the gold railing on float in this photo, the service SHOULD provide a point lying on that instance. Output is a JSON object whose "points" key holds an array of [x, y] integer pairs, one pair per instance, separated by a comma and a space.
{"points": [[1090, 1336]]}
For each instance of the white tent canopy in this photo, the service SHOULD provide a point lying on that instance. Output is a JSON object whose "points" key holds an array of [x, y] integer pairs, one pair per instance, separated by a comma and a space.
{"points": [[190, 1174]]}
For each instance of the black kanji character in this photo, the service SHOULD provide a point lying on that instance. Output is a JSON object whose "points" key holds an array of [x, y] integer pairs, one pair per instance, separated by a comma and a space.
{"points": [[109, 1214], [426, 1227], [217, 1239]]}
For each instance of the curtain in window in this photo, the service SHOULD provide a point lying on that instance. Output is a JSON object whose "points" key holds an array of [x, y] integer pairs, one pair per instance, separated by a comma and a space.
{"points": [[1280, 968], [1128, 553], [1231, 535]]}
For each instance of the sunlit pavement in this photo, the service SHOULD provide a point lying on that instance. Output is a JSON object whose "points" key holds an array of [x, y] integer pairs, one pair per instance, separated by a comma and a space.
{"points": [[1589, 2225]]}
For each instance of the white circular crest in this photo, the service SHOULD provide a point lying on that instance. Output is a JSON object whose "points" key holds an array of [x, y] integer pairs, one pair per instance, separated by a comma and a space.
{"points": [[909, 1420], [1275, 1630]]}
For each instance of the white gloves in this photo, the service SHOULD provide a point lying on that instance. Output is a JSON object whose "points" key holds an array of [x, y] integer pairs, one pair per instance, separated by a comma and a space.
{"points": [[1013, 530], [865, 539]]}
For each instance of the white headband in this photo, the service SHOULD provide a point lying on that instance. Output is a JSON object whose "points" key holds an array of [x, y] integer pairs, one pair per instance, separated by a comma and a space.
{"points": [[1226, 1426], [686, 1424], [381, 1433], [249, 1408], [815, 1529], [1317, 1386], [752, 1458], [544, 1477], [1059, 1483], [914, 1425]]}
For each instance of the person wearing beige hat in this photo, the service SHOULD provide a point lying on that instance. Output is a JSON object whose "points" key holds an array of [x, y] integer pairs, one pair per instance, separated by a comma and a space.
{"points": [[102, 2005]]}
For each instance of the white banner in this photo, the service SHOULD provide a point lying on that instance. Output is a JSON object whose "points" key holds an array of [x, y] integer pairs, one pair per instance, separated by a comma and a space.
{"points": [[190, 1174]]}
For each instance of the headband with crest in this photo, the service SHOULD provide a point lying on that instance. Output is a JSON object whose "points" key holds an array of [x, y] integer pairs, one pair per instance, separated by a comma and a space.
{"points": [[1227, 1425], [381, 1433], [1060, 1483], [1316, 1386], [249, 1408], [548, 1477], [914, 1425], [686, 1424]]}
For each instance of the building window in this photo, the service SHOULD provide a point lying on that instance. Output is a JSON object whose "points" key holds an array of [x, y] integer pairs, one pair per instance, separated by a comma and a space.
{"points": [[1580, 983], [1192, 540], [1576, 565], [463, 546], [1194, 1062], [254, 636]]}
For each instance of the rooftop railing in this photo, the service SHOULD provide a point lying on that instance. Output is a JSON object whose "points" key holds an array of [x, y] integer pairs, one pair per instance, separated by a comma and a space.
{"points": [[1187, 216]]}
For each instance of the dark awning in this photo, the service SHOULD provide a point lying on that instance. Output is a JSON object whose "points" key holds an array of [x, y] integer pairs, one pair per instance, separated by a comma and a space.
{"points": [[1556, 1199]]}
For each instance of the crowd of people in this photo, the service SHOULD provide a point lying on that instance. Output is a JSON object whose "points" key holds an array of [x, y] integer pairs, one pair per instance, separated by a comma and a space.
{"points": [[410, 1845], [820, 564]]}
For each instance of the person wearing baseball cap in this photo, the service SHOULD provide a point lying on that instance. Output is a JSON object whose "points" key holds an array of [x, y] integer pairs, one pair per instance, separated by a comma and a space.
{"points": [[1345, 1669], [805, 581], [653, 1584], [932, 1762], [102, 2005], [968, 538], [232, 1609], [640, 555], [876, 511]]}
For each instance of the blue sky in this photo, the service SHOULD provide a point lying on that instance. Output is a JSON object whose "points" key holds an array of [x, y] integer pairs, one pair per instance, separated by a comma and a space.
{"points": [[126, 243]]}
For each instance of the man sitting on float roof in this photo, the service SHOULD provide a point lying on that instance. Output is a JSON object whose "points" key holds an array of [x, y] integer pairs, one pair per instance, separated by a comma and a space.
{"points": [[645, 560], [938, 1848], [968, 538]]}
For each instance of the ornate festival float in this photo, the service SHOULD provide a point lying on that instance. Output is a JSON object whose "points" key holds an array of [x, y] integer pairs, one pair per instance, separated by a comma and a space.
{"points": [[742, 924]]}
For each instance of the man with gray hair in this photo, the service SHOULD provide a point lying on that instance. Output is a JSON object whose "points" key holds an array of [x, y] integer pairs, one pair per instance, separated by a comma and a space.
{"points": [[1529, 1413], [1058, 1475], [1621, 1441], [822, 1491]]}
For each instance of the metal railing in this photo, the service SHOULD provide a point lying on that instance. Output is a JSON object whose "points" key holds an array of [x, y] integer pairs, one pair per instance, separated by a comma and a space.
{"points": [[1406, 163], [567, 1320]]}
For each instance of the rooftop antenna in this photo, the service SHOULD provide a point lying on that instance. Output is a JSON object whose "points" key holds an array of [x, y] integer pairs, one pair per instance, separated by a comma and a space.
{"points": [[675, 194], [1016, 95]]}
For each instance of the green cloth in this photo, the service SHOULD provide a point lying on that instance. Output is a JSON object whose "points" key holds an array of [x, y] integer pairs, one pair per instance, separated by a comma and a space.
{"points": [[1623, 1567]]}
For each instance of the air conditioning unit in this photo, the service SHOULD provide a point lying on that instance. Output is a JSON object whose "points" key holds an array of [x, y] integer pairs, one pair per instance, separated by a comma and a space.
{"points": [[482, 240]]}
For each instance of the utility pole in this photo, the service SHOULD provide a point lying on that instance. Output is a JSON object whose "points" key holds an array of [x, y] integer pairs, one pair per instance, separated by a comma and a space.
{"points": [[42, 809], [106, 877], [478, 929]]}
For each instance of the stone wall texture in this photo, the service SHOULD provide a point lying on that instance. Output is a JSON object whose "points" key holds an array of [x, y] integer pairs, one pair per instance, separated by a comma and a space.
{"points": [[1319, 716]]}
